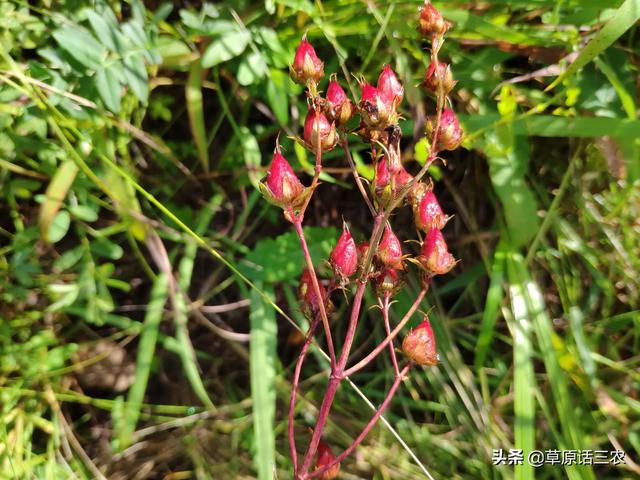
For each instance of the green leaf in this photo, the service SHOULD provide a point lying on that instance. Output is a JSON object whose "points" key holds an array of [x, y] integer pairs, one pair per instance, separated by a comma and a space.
{"points": [[54, 196], [262, 367], [251, 153], [84, 212], [280, 259], [136, 76], [251, 69], [277, 95], [107, 34], [225, 48], [109, 88], [625, 17], [508, 157], [81, 45], [193, 93], [59, 227]]}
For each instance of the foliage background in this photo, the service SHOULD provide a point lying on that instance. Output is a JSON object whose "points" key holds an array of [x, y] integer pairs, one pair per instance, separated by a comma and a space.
{"points": [[132, 137]]}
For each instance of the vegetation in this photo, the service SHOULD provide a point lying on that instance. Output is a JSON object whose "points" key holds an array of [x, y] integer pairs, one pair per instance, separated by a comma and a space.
{"points": [[137, 256]]}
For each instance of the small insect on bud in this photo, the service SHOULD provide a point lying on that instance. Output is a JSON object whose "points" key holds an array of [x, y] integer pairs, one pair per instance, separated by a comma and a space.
{"points": [[306, 64], [309, 302], [325, 457], [434, 256], [431, 21], [281, 186], [420, 345], [450, 135], [376, 110], [390, 88], [427, 212], [317, 126], [387, 282], [340, 108], [390, 250], [439, 78], [344, 257]]}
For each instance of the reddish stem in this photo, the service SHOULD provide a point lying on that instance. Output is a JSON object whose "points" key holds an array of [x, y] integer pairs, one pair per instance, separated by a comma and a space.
{"points": [[376, 351], [297, 223], [384, 305], [366, 429], [294, 391]]}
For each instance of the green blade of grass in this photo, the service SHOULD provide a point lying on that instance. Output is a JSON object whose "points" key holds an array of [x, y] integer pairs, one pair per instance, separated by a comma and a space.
{"points": [[492, 306], [531, 302], [262, 365], [146, 351], [185, 268], [624, 18], [524, 384], [193, 94]]}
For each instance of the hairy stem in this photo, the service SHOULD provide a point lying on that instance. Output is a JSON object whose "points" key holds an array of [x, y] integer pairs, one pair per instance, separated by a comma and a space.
{"points": [[387, 341], [384, 305], [345, 146], [297, 223], [368, 427], [294, 392]]}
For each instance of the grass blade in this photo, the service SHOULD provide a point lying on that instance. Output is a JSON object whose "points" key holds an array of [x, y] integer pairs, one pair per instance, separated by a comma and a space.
{"points": [[523, 375], [193, 93], [146, 351], [54, 196], [263, 374], [624, 18], [492, 306]]}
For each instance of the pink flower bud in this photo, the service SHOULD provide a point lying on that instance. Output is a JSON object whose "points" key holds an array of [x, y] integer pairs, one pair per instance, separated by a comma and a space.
{"points": [[340, 107], [306, 64], [450, 135], [382, 177], [438, 77], [428, 214], [319, 125], [282, 187], [325, 457], [344, 257], [435, 256], [431, 21], [390, 250], [390, 88], [420, 345], [309, 302], [401, 177]]}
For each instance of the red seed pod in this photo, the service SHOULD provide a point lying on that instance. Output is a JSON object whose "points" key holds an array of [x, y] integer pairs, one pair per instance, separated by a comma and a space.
{"points": [[420, 345], [325, 457], [307, 297], [438, 77], [431, 21], [390, 88], [327, 131], [340, 108], [306, 64], [375, 108], [344, 257], [387, 282], [401, 177], [428, 214], [281, 186], [450, 135], [435, 256], [390, 250]]}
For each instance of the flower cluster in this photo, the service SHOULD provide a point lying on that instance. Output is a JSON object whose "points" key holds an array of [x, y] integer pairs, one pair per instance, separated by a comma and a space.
{"points": [[380, 262]]}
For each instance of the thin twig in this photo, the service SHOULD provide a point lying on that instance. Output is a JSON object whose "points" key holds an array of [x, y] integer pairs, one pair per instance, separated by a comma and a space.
{"points": [[384, 305], [345, 146]]}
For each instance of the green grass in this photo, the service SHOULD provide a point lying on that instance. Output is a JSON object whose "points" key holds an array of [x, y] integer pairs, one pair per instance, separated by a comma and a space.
{"points": [[131, 143]]}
